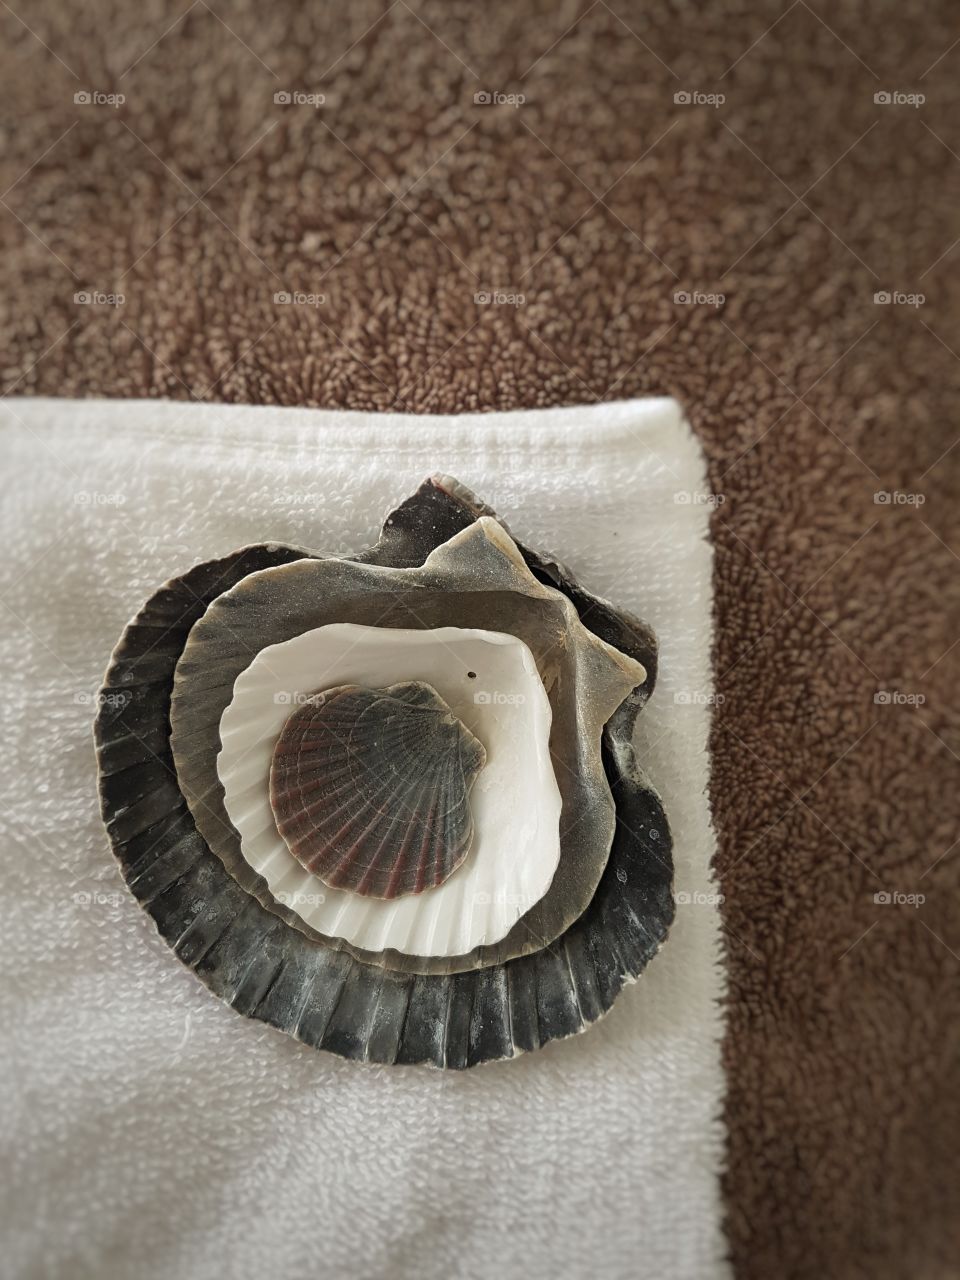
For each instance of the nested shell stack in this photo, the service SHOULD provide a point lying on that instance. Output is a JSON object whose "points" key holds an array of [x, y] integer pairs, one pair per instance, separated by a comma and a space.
{"points": [[390, 804]]}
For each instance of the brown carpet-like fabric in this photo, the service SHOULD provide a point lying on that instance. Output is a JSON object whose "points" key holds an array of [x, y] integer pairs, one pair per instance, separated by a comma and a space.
{"points": [[598, 198]]}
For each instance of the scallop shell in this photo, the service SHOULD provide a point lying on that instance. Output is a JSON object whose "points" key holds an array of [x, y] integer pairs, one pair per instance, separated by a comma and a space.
{"points": [[476, 579], [516, 803], [370, 788], [225, 927]]}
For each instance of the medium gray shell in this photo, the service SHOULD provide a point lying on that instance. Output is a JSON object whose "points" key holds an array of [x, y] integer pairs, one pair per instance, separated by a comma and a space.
{"points": [[254, 961], [370, 788], [274, 605]]}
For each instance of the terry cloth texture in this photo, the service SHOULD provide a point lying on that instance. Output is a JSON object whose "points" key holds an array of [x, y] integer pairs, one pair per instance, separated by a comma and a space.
{"points": [[599, 199], [128, 1082]]}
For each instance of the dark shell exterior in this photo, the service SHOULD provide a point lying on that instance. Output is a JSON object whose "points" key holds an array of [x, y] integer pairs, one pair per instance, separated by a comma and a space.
{"points": [[252, 959], [370, 788]]}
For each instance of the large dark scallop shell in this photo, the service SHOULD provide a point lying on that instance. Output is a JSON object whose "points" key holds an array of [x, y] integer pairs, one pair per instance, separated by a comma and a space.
{"points": [[370, 787], [259, 957]]}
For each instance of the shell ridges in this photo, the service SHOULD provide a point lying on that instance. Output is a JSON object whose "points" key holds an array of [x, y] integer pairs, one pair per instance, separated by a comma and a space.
{"points": [[370, 788]]}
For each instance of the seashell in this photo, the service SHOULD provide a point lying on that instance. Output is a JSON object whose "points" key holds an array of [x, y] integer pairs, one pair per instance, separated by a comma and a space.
{"points": [[476, 579], [225, 926], [370, 788], [516, 802]]}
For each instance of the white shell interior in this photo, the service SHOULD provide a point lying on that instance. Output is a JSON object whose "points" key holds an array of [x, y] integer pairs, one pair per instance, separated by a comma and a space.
{"points": [[515, 799]]}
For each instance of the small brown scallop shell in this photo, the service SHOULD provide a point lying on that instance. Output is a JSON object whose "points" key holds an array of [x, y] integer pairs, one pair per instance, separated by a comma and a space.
{"points": [[370, 788]]}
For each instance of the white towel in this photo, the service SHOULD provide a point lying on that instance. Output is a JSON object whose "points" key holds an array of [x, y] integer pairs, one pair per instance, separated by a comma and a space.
{"points": [[149, 1130]]}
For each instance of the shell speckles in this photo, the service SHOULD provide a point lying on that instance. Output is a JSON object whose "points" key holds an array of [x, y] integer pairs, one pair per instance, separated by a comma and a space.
{"points": [[370, 788]]}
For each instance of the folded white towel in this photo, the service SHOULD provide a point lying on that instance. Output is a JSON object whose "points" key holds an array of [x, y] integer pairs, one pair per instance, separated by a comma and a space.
{"points": [[152, 1132]]}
